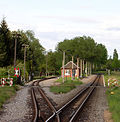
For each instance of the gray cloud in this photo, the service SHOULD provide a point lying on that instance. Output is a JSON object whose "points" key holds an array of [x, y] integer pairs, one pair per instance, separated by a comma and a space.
{"points": [[70, 18], [113, 29]]}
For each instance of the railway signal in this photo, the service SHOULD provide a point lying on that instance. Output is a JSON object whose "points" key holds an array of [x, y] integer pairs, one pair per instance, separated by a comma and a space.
{"points": [[17, 72]]}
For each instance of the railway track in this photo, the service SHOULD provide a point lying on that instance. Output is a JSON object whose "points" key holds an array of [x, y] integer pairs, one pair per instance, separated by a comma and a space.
{"points": [[43, 108], [36, 83], [44, 111], [70, 111]]}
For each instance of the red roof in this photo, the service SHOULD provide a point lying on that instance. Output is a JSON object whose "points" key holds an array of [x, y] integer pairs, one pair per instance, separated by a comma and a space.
{"points": [[69, 66]]}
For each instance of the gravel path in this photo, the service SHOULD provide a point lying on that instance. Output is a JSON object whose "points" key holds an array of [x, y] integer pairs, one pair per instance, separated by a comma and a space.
{"points": [[17, 108]]}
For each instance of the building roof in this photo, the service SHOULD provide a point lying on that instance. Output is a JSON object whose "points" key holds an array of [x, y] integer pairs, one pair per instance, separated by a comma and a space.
{"points": [[69, 66]]}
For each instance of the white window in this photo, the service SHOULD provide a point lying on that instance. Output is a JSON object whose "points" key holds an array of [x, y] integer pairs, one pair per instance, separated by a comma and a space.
{"points": [[67, 72], [75, 72]]}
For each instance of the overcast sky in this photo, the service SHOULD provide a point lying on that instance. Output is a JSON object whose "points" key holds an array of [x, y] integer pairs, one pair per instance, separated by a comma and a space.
{"points": [[54, 20]]}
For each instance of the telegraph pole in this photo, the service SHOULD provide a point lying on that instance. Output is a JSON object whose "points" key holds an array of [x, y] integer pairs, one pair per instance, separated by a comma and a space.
{"points": [[63, 66], [15, 35], [72, 67], [15, 52], [86, 69], [25, 46], [46, 63], [77, 68], [81, 68]]}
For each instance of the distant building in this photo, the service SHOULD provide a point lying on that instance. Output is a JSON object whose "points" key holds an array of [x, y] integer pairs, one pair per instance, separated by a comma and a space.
{"points": [[68, 70]]}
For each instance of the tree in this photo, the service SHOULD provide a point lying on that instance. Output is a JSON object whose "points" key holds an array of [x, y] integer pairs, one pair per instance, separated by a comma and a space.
{"points": [[115, 63], [5, 44], [51, 62], [100, 55], [35, 55], [109, 63], [115, 54]]}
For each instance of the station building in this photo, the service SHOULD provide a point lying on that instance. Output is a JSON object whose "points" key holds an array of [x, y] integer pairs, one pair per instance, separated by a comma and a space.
{"points": [[68, 71]]}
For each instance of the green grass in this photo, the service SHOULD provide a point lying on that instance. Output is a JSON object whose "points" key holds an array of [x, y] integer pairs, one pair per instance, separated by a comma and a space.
{"points": [[41, 77], [115, 75], [65, 87], [66, 79], [114, 99], [6, 92], [103, 72], [114, 103]]}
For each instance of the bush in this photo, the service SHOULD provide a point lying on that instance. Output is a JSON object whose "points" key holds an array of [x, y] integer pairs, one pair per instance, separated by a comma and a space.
{"points": [[3, 72]]}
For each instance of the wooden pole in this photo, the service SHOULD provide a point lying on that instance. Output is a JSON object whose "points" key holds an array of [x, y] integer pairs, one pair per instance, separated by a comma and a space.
{"points": [[15, 51], [86, 69], [77, 68], [63, 66], [46, 65], [25, 46], [24, 62], [90, 69], [81, 68], [72, 67]]}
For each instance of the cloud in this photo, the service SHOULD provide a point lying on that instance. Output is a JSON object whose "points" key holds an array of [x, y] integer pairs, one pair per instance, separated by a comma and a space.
{"points": [[113, 29], [70, 19]]}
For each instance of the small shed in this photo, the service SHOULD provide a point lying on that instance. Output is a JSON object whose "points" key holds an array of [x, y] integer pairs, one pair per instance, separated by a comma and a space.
{"points": [[68, 71]]}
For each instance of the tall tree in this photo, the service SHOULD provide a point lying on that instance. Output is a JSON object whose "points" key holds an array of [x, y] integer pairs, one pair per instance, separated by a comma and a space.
{"points": [[115, 54], [84, 48], [109, 63], [115, 62], [35, 54], [5, 44], [100, 54]]}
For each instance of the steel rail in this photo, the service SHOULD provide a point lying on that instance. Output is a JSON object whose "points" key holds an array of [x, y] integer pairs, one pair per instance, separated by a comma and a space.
{"points": [[39, 80], [49, 104], [37, 111], [73, 118], [35, 106], [68, 103]]}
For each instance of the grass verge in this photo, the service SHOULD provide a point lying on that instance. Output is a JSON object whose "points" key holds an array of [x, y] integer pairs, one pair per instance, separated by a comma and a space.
{"points": [[65, 87], [6, 92], [113, 96]]}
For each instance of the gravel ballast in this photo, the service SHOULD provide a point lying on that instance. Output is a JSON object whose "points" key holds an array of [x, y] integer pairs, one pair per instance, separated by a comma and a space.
{"points": [[61, 99], [19, 108], [16, 109], [93, 111]]}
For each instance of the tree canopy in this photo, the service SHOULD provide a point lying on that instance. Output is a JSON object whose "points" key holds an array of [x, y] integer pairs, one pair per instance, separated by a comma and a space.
{"points": [[35, 51], [38, 61], [84, 48]]}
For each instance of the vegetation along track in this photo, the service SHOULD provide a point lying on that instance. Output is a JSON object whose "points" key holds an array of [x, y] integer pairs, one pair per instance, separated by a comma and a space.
{"points": [[70, 111], [43, 108]]}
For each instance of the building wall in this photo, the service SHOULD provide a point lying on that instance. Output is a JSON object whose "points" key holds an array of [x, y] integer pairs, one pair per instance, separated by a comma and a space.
{"points": [[69, 73]]}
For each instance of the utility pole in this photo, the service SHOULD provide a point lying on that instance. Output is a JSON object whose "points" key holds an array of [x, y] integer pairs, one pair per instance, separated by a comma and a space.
{"points": [[93, 66], [15, 52], [77, 68], [25, 46], [46, 63], [46, 66], [81, 68], [90, 68], [63, 66], [15, 35], [86, 69], [72, 67]]}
